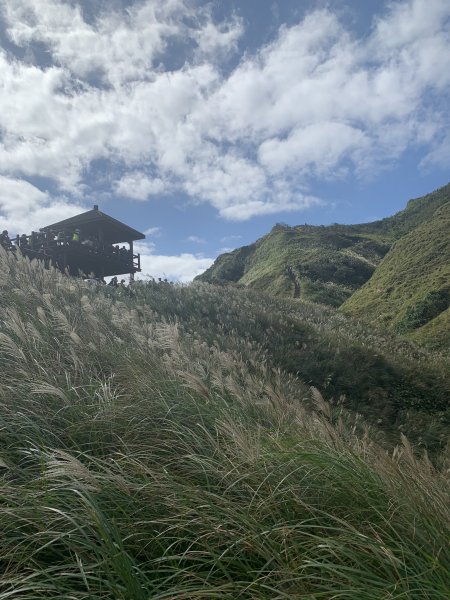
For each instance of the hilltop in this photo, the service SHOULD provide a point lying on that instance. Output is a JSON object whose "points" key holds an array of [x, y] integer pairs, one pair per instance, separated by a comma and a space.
{"points": [[328, 264]]}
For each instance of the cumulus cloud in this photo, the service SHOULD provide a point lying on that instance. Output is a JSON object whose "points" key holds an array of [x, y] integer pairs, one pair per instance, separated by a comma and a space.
{"points": [[23, 207], [118, 46], [153, 231], [142, 87], [183, 267], [319, 147], [139, 186], [440, 156], [218, 40], [49, 130]]}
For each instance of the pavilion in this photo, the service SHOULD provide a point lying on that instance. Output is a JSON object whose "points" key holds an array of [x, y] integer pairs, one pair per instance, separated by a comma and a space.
{"points": [[89, 244]]}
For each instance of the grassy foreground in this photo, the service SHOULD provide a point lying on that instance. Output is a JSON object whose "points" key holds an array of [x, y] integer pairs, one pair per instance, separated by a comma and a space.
{"points": [[140, 459]]}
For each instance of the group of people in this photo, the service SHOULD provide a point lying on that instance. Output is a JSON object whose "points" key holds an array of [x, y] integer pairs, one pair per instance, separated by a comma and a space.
{"points": [[114, 282], [5, 241], [48, 247], [36, 240], [43, 241]]}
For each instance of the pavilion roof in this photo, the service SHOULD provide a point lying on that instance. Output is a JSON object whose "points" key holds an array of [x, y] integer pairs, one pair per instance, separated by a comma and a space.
{"points": [[93, 222]]}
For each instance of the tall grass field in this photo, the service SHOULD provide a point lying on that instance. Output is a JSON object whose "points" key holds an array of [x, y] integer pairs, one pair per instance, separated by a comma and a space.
{"points": [[183, 442]]}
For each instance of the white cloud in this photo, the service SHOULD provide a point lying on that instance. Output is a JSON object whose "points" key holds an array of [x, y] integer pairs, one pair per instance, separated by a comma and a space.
{"points": [[153, 231], [228, 182], [45, 131], [319, 147], [408, 22], [246, 210], [440, 156], [219, 40], [144, 247], [120, 46], [195, 239], [316, 102], [24, 208], [138, 186], [183, 267]]}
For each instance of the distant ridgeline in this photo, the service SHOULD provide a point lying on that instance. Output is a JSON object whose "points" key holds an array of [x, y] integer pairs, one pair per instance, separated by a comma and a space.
{"points": [[394, 272]]}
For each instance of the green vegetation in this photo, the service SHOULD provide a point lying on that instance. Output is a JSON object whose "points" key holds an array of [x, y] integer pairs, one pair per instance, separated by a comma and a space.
{"points": [[328, 263], [388, 381], [159, 446], [392, 272], [417, 211], [411, 287]]}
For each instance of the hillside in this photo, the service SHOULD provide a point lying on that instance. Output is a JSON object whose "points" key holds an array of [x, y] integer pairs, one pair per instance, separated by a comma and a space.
{"points": [[320, 264], [317, 263], [157, 443], [409, 292]]}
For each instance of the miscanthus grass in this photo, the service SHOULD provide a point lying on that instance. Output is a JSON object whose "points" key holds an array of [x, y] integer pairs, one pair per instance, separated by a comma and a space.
{"points": [[141, 458]]}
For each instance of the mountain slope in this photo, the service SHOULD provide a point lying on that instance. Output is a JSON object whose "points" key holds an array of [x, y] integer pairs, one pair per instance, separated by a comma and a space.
{"points": [[329, 264], [321, 264], [417, 211], [410, 290]]}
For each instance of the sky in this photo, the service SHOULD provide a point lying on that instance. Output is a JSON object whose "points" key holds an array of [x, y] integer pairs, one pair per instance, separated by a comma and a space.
{"points": [[204, 123]]}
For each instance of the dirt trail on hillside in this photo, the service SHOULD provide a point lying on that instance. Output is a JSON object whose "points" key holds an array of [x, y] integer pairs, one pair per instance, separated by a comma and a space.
{"points": [[292, 276]]}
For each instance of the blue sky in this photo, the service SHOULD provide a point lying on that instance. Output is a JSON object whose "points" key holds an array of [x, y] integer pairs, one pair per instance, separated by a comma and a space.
{"points": [[205, 123]]}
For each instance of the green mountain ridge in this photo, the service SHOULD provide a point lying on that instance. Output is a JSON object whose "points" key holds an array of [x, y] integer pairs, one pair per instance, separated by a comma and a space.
{"points": [[339, 265], [411, 287]]}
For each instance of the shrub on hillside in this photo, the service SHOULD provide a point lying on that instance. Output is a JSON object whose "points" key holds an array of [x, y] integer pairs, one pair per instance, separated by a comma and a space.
{"points": [[424, 310]]}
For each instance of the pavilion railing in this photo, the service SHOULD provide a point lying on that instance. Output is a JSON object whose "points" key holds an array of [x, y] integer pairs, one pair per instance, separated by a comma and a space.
{"points": [[40, 246]]}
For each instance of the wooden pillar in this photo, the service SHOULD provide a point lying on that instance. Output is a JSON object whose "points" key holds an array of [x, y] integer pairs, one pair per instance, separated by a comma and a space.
{"points": [[132, 261], [65, 247]]}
